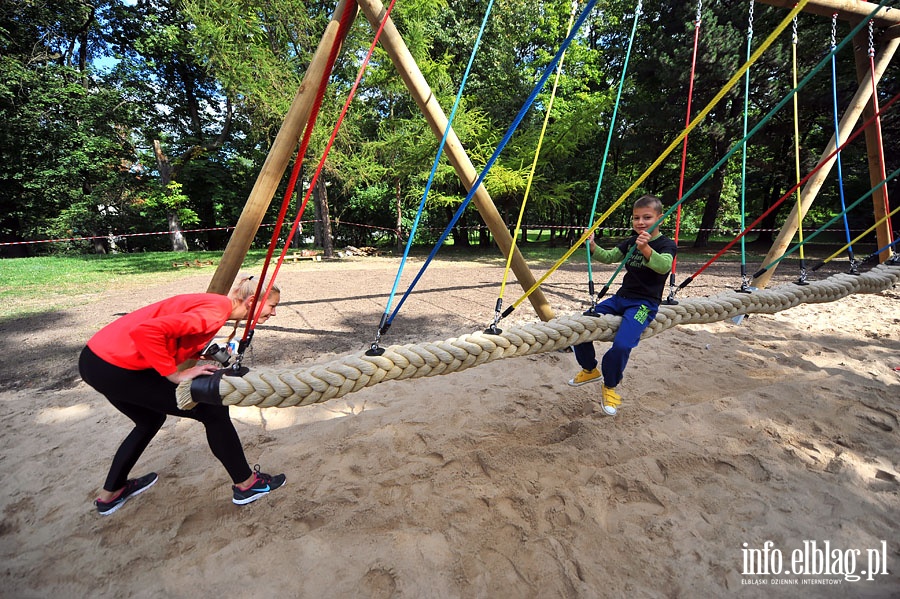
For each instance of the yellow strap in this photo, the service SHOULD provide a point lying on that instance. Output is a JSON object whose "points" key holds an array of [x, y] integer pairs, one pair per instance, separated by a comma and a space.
{"points": [[797, 140], [537, 152], [861, 235], [675, 143]]}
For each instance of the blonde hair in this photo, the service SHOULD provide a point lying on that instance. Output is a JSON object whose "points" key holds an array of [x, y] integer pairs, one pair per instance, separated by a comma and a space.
{"points": [[244, 286]]}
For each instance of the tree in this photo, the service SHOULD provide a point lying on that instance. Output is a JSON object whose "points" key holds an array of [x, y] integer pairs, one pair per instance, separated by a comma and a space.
{"points": [[65, 152], [187, 113]]}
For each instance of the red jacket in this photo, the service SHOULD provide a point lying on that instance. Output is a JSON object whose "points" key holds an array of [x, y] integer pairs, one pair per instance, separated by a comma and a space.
{"points": [[164, 334]]}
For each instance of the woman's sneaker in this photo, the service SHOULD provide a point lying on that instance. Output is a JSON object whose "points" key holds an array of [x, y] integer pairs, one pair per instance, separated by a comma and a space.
{"points": [[133, 487], [263, 484]]}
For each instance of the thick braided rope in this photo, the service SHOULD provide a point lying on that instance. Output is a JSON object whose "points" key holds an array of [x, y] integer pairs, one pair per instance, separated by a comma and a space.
{"points": [[271, 387]]}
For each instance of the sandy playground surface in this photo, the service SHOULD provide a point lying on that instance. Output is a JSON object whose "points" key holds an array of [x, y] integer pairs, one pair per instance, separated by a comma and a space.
{"points": [[499, 481]]}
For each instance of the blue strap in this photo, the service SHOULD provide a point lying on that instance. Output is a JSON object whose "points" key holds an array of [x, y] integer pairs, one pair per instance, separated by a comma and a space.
{"points": [[837, 144], [437, 158], [506, 137]]}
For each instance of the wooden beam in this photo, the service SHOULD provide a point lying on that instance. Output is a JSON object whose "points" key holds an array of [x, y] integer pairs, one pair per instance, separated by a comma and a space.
{"points": [[874, 145], [279, 157], [406, 66], [847, 10]]}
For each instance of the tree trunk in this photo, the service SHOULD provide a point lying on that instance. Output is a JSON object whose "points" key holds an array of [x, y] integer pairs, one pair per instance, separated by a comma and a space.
{"points": [[460, 238], [319, 224], [165, 177], [765, 230], [322, 208], [97, 242], [711, 210], [399, 215], [484, 236]]}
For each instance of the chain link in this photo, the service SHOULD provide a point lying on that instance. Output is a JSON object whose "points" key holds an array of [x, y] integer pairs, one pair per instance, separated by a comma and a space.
{"points": [[834, 19], [871, 40], [794, 31], [750, 24], [699, 13]]}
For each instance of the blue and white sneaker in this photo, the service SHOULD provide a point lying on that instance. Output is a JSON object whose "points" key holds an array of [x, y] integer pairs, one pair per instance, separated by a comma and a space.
{"points": [[133, 487], [263, 484]]}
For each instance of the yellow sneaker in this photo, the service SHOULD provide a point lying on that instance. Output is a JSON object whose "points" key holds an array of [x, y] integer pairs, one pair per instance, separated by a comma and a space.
{"points": [[584, 377], [610, 400]]}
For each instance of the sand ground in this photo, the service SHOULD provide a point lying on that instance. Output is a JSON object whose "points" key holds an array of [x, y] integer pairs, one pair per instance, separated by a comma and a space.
{"points": [[499, 481]]}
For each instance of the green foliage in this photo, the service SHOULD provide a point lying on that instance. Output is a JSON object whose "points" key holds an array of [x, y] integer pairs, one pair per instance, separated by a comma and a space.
{"points": [[211, 80], [162, 201]]}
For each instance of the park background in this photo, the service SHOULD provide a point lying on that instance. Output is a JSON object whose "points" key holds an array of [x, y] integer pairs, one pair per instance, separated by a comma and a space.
{"points": [[130, 122]]}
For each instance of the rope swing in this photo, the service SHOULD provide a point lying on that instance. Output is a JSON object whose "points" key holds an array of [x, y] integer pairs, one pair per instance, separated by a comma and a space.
{"points": [[551, 66], [837, 141], [271, 387], [687, 121], [671, 147], [385, 323], [745, 279], [492, 329], [801, 280], [612, 128]]}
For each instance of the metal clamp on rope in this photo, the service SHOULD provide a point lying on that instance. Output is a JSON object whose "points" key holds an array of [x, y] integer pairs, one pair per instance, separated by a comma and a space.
{"points": [[383, 326], [746, 287], [854, 266], [802, 280], [243, 345], [493, 330], [671, 301], [205, 389]]}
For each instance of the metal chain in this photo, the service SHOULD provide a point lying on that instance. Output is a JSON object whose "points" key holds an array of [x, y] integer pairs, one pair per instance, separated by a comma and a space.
{"points": [[794, 31], [699, 13], [750, 25], [834, 18], [871, 40]]}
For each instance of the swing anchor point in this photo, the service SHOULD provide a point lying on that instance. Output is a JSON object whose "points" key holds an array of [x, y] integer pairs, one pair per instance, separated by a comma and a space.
{"points": [[670, 301], [374, 350], [493, 330]]}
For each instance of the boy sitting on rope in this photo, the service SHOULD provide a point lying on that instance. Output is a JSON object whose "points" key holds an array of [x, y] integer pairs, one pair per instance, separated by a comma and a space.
{"points": [[636, 301]]}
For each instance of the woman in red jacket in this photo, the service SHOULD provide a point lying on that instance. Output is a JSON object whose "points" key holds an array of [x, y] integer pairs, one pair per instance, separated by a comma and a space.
{"points": [[134, 360]]}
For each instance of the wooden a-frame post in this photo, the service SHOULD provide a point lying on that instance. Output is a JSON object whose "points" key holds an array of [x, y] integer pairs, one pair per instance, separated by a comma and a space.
{"points": [[861, 105], [279, 157], [281, 151], [415, 82]]}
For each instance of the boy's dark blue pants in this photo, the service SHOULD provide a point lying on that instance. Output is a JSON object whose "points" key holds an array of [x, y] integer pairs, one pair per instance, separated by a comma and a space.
{"points": [[636, 314]]}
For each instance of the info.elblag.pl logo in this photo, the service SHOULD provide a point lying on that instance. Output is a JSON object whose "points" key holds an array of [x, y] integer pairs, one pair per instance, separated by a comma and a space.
{"points": [[813, 563]]}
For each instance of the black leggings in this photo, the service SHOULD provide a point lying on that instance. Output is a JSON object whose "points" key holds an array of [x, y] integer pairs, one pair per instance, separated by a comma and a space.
{"points": [[146, 398]]}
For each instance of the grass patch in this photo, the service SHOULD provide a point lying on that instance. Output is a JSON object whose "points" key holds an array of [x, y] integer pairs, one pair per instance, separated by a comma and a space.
{"points": [[44, 283]]}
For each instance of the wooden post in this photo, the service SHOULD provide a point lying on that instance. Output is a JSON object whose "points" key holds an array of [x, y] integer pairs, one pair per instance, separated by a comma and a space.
{"points": [[874, 146], [279, 157], [406, 65], [846, 10], [814, 184]]}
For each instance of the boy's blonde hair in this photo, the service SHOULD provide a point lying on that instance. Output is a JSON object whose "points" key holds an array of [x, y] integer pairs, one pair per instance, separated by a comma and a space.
{"points": [[649, 201]]}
